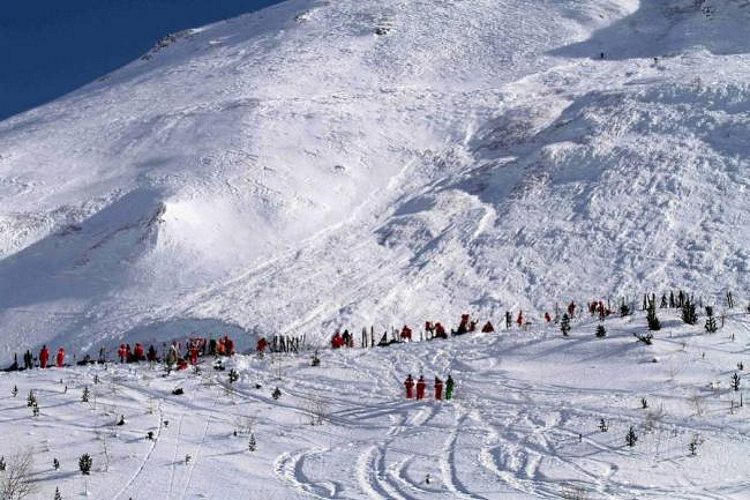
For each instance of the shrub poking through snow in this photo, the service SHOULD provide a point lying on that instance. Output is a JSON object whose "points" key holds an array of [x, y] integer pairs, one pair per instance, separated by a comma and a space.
{"points": [[601, 332], [252, 445], [276, 394], [14, 391], [689, 315], [85, 395], [603, 425], [85, 463], [736, 382], [30, 399], [653, 322], [631, 438], [646, 338], [624, 310], [710, 321], [55, 464], [644, 403]]}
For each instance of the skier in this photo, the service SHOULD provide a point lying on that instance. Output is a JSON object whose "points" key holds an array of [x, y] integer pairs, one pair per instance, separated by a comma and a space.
{"points": [[409, 384], [519, 319], [60, 357], [572, 309], [508, 320], [438, 389], [547, 317], [421, 385], [152, 354], [43, 357], [488, 328], [449, 388]]}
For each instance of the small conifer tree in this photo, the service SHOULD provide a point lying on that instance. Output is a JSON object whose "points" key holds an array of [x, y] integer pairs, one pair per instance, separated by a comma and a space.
{"points": [[31, 399], [736, 382], [58, 496], [55, 464], [85, 395], [2, 464], [631, 438], [644, 403], [624, 309], [710, 321], [601, 332], [14, 391], [603, 425], [252, 446], [689, 315], [276, 394], [85, 463]]}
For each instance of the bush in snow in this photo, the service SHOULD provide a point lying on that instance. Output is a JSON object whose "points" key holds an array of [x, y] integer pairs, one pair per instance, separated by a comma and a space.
{"points": [[601, 332], [644, 403], [653, 322], [85, 395], [624, 310], [736, 382], [14, 391], [631, 438], [276, 394], [31, 399], [603, 425], [16, 481], [55, 464], [689, 315], [251, 445], [233, 376], [693, 445], [646, 338], [84, 464], [710, 321], [58, 496]]}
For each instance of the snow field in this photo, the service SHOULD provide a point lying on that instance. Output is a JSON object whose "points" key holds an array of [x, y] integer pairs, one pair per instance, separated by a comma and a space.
{"points": [[523, 424]]}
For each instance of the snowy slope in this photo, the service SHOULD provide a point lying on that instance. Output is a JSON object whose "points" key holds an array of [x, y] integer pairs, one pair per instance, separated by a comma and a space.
{"points": [[524, 422], [290, 170]]}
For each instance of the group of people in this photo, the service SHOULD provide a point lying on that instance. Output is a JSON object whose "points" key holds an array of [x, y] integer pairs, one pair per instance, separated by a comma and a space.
{"points": [[28, 358], [420, 385]]}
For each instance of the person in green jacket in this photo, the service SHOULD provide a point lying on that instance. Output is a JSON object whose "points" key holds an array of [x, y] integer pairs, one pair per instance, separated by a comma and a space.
{"points": [[449, 388]]}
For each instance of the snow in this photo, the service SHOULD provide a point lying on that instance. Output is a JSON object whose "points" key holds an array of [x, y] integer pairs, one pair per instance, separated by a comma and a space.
{"points": [[291, 172], [524, 422]]}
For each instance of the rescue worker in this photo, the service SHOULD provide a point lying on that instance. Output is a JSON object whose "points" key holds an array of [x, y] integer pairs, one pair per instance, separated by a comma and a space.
{"points": [[406, 333], [508, 321], [28, 360], [229, 346], [421, 385], [60, 357], [438, 389], [260, 346], [337, 341], [440, 331], [43, 357], [152, 354], [193, 355], [138, 352], [449, 388], [409, 384], [519, 319], [547, 317], [121, 353]]}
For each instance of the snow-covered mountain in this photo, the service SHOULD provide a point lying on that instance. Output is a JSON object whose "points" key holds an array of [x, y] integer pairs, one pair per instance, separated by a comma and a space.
{"points": [[351, 163]]}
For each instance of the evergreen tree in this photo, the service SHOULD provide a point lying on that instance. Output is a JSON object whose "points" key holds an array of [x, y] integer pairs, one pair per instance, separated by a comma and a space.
{"points": [[35, 410], [85, 463], [14, 391], [624, 309], [251, 444], [603, 425], [601, 332], [55, 464], [631, 437], [710, 321], [736, 382], [31, 399], [58, 496], [565, 324], [693, 446], [276, 394], [85, 395], [671, 299], [689, 315], [2, 464], [644, 403], [653, 322], [663, 301]]}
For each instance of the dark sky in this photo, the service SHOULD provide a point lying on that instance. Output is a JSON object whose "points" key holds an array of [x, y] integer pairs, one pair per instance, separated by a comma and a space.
{"points": [[50, 47]]}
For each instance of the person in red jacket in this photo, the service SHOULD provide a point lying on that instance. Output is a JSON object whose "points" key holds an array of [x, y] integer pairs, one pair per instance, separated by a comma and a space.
{"points": [[409, 384], [337, 340], [547, 317], [260, 347], [440, 331], [229, 346], [421, 385], [139, 352], [438, 389], [60, 357], [122, 353], [519, 319], [488, 328], [193, 355], [44, 357], [572, 309], [406, 333]]}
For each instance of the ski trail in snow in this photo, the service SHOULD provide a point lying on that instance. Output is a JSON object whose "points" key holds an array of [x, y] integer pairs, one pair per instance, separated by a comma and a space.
{"points": [[174, 458], [145, 459]]}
